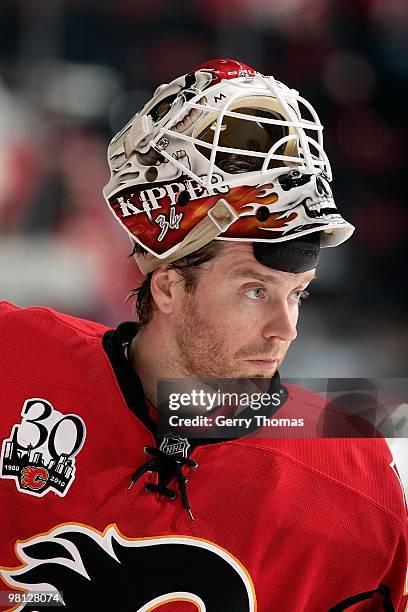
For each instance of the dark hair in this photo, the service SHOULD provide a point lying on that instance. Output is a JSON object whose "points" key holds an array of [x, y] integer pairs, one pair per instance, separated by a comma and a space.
{"points": [[187, 267]]}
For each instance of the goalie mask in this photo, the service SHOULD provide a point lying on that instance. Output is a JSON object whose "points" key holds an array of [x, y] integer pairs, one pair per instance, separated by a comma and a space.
{"points": [[225, 153]]}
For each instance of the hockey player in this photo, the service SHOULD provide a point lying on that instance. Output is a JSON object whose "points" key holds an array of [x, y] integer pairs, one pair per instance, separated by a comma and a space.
{"points": [[223, 185]]}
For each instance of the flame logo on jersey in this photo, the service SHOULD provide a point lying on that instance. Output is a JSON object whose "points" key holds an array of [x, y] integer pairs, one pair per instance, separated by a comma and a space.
{"points": [[34, 478], [107, 571]]}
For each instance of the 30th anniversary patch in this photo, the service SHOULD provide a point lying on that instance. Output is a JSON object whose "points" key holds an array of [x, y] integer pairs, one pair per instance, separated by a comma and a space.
{"points": [[40, 452]]}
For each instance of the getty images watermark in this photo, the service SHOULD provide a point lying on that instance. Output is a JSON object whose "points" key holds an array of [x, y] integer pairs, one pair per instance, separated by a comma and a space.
{"points": [[295, 408], [210, 401], [221, 408]]}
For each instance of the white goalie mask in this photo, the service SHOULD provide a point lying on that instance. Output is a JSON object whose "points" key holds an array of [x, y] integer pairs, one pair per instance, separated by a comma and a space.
{"points": [[221, 153]]}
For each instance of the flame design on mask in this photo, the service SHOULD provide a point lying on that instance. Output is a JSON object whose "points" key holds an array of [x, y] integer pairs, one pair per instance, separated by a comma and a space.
{"points": [[246, 200]]}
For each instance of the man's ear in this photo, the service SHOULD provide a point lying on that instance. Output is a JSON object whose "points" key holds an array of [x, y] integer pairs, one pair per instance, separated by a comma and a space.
{"points": [[164, 289]]}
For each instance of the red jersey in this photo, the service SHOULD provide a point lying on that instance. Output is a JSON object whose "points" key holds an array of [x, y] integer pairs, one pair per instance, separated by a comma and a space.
{"points": [[280, 524]]}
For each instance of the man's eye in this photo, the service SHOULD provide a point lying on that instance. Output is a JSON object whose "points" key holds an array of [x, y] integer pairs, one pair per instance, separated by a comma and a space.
{"points": [[301, 295], [255, 293]]}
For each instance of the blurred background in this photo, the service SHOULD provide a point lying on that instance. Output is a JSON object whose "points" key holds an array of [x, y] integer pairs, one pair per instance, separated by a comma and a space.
{"points": [[72, 72]]}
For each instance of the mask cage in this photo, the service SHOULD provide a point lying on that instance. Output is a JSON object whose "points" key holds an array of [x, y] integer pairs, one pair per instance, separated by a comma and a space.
{"points": [[291, 131], [235, 133]]}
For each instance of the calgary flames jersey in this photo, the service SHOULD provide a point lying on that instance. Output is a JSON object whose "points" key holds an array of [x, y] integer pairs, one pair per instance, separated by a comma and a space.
{"points": [[280, 524]]}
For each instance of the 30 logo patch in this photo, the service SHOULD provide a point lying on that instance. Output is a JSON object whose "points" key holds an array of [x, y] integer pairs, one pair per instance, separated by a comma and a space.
{"points": [[40, 452]]}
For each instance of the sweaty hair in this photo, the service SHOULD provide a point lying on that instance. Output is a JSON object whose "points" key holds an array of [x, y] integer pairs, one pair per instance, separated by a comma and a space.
{"points": [[187, 267]]}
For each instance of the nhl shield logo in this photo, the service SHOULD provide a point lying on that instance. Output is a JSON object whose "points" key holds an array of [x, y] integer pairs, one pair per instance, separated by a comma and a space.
{"points": [[40, 453], [174, 445]]}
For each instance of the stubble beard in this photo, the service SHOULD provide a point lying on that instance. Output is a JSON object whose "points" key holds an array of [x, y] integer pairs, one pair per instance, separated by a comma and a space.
{"points": [[202, 348]]}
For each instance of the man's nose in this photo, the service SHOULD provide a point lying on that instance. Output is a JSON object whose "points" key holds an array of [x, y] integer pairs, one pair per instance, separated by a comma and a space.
{"points": [[281, 322]]}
